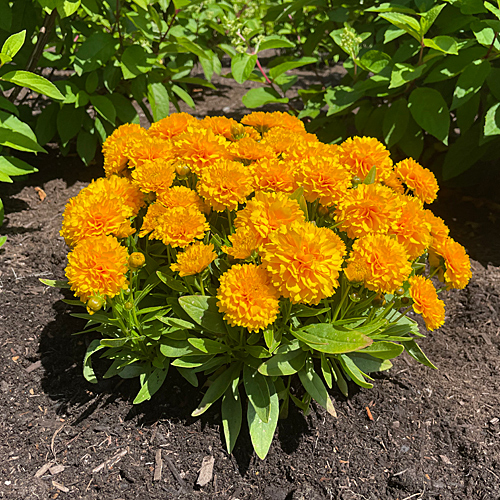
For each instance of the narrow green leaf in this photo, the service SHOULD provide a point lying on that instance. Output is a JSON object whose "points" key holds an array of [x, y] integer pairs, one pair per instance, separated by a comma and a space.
{"points": [[339, 378], [383, 350], [326, 371], [55, 283], [189, 375], [151, 385], [369, 364], [88, 371], [208, 346], [371, 175], [314, 386], [257, 392], [176, 348], [414, 350], [353, 371], [18, 140]]}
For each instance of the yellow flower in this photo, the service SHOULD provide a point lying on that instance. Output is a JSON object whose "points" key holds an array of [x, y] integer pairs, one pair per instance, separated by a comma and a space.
{"points": [[360, 154], [154, 175], [172, 125], [225, 184], [182, 196], [244, 241], [220, 125], [323, 179], [289, 122], [149, 149], [272, 174], [248, 149], [382, 260], [199, 148], [304, 261], [97, 266], [103, 207], [117, 147], [247, 297], [439, 230], [267, 212], [457, 263], [194, 259], [419, 179], [412, 228], [426, 302], [177, 227], [280, 141], [370, 208]]}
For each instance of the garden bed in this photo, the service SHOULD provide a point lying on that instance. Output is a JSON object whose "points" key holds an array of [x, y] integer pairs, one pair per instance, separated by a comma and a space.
{"points": [[418, 433]]}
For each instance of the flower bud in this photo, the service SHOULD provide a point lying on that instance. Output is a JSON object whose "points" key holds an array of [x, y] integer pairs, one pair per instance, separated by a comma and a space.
{"points": [[405, 300], [129, 306], [399, 291], [323, 211], [182, 170], [237, 132], [136, 260], [378, 301], [356, 180], [355, 297], [94, 304]]}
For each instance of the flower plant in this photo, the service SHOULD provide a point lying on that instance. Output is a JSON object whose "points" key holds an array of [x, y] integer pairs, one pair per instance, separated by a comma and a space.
{"points": [[256, 260]]}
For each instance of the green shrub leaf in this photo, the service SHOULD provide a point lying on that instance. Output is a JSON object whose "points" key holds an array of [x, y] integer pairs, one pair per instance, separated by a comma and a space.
{"points": [[255, 98], [395, 122], [86, 145], [257, 391], [88, 371], [151, 385], [276, 71], [104, 107], [231, 415], [356, 375], [204, 311], [492, 120], [287, 360], [470, 82], [314, 386], [404, 22], [443, 43], [13, 44], [242, 65]]}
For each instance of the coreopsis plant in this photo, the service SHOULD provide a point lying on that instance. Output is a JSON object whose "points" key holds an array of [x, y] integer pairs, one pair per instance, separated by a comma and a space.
{"points": [[256, 261]]}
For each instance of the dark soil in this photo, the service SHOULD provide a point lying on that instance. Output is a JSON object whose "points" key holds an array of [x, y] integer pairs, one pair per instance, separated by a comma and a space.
{"points": [[434, 434]]}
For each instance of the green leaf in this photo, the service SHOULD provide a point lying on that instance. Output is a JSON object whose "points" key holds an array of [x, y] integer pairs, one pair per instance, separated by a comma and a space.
{"points": [[341, 97], [231, 415], [383, 350], [404, 22], [276, 71], [255, 98], [371, 176], [412, 142], [95, 52], [369, 364], [262, 433], [65, 8], [69, 122], [413, 349], [326, 370], [34, 82], [374, 61], [485, 35], [189, 375], [427, 18], [395, 122], [12, 166], [56, 283], [8, 106], [159, 100], [492, 120], [151, 385], [443, 43], [16, 134], [104, 107], [314, 386], [88, 371], [257, 392], [303, 311], [176, 348], [275, 42], [5, 16], [86, 145], [463, 153], [204, 311], [218, 388], [92, 82], [135, 62], [430, 111], [403, 73], [13, 44], [287, 360], [466, 114], [494, 10], [242, 66], [208, 346], [325, 337], [470, 82], [46, 124], [356, 375], [452, 66], [184, 96], [339, 378]]}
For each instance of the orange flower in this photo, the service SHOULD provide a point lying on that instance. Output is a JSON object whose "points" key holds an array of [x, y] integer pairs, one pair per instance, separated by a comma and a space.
{"points": [[182, 196], [97, 266], [249, 149], [261, 121], [289, 122], [154, 175], [457, 263], [149, 149], [323, 179], [244, 241], [439, 230], [370, 208], [247, 298], [267, 212], [117, 147], [360, 154], [382, 260], [412, 229], [220, 125], [194, 259], [280, 140], [426, 302], [304, 261], [272, 174], [419, 179], [200, 148], [225, 184], [172, 125]]}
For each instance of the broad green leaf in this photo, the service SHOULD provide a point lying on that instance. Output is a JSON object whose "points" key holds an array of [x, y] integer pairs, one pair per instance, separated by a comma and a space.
{"points": [[485, 35], [95, 52], [427, 18], [8, 106], [208, 346], [257, 392], [192, 361], [218, 387], [356, 375], [466, 114], [275, 42], [184, 96], [493, 82], [5, 16], [492, 120], [255, 98], [470, 82], [120, 342], [464, 152], [18, 139], [430, 111], [414, 350], [257, 351], [314, 386], [46, 124], [13, 44], [374, 61], [370, 179], [132, 371], [443, 43], [159, 100], [64, 7], [92, 82], [412, 142], [171, 282], [383, 350], [189, 375], [395, 121], [276, 71], [193, 47], [391, 33], [176, 348], [341, 97], [34, 82], [204, 311], [242, 66], [151, 385], [86, 145], [135, 62], [404, 22], [88, 371], [231, 415], [69, 122], [286, 361], [452, 66], [369, 364], [325, 337], [262, 433], [125, 110], [403, 73], [391, 7], [12, 166], [104, 107]]}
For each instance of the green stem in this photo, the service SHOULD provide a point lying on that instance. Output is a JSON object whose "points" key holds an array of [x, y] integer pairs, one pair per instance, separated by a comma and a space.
{"points": [[229, 219], [344, 290]]}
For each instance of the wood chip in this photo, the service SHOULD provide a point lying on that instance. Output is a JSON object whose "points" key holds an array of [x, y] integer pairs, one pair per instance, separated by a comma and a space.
{"points": [[56, 469], [34, 366], [41, 193], [60, 487], [158, 466], [109, 463], [369, 413], [42, 470], [445, 459], [206, 471]]}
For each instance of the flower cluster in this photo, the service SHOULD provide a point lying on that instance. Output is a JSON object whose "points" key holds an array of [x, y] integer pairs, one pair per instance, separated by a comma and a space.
{"points": [[291, 218]]}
